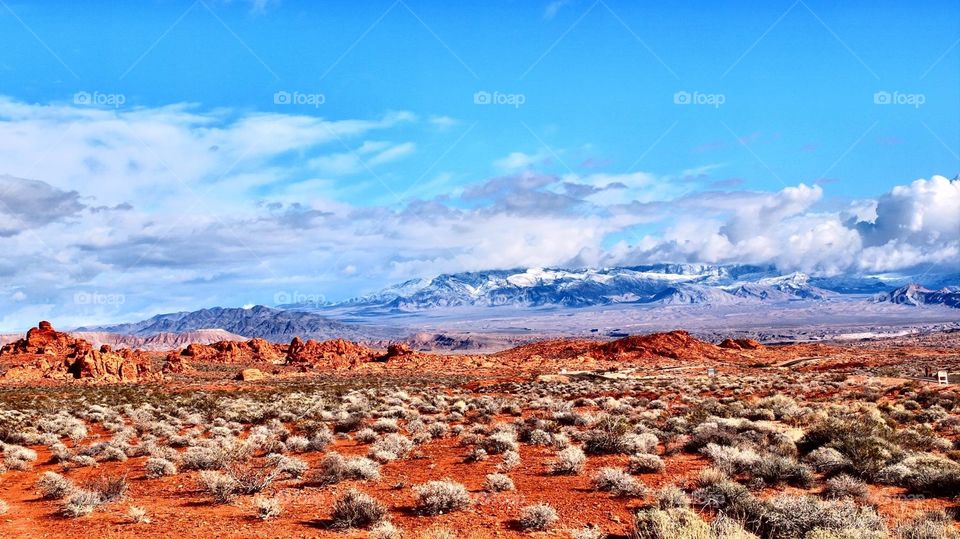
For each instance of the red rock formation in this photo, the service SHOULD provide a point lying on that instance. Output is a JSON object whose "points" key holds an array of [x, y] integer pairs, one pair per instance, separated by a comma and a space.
{"points": [[252, 351], [398, 351], [176, 363], [47, 353], [673, 344], [107, 366], [741, 344], [338, 353], [43, 339]]}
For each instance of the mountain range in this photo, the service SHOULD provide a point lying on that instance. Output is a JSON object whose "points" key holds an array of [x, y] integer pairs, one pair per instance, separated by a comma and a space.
{"points": [[916, 295], [272, 324], [539, 288], [666, 284]]}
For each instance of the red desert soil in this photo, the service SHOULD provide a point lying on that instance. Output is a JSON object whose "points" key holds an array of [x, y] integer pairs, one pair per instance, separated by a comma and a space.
{"points": [[176, 507]]}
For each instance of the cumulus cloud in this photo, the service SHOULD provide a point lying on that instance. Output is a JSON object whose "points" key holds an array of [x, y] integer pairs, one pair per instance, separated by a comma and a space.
{"points": [[28, 204], [175, 208], [914, 224], [908, 227]]}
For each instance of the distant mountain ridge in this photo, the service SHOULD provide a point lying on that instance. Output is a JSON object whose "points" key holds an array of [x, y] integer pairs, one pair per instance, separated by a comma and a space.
{"points": [[158, 341], [272, 324], [668, 284], [652, 285], [916, 295]]}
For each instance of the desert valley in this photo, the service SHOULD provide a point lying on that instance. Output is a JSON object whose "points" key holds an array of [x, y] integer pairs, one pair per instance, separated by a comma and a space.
{"points": [[658, 435], [420, 269]]}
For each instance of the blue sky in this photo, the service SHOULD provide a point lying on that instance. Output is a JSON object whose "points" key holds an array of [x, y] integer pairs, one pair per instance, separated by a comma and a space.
{"points": [[183, 177]]}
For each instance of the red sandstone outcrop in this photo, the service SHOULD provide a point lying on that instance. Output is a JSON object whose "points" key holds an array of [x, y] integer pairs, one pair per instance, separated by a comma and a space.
{"points": [[398, 351], [252, 351], [672, 344], [43, 339], [176, 363], [47, 353], [338, 353], [741, 344]]}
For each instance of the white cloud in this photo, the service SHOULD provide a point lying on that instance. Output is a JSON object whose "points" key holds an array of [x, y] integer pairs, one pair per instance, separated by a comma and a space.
{"points": [[443, 122], [520, 160], [175, 208], [913, 226]]}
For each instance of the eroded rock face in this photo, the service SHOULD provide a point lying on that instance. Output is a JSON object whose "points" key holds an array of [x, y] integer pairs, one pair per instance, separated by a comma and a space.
{"points": [[176, 363], [398, 351], [338, 353], [741, 344], [107, 366], [43, 339], [252, 351], [672, 344], [47, 353]]}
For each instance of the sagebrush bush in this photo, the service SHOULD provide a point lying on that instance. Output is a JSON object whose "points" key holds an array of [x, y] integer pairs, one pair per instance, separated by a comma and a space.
{"points": [[384, 530], [251, 477], [500, 442], [606, 437], [53, 486], [587, 532], [438, 497], [356, 509], [569, 461], [924, 474], [202, 458], [365, 436], [645, 463], [109, 488], [828, 460], [18, 458], [674, 523], [538, 517], [297, 444], [334, 468], [844, 486], [497, 482], [137, 515], [670, 496], [291, 467], [930, 525], [617, 482], [796, 516], [391, 447], [267, 507], [218, 485], [156, 467], [80, 502], [509, 461]]}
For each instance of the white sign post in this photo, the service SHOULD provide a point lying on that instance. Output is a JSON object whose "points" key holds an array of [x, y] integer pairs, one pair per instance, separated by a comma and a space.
{"points": [[943, 377], [711, 372]]}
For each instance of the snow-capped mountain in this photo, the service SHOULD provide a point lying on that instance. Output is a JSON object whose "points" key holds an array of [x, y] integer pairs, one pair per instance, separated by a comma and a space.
{"points": [[916, 295], [540, 287], [785, 287]]}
